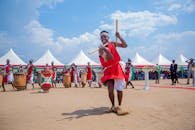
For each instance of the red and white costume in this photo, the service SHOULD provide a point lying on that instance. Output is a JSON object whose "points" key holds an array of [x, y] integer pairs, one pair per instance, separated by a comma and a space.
{"points": [[89, 73], [30, 74], [74, 75], [8, 75], [53, 73], [112, 68], [127, 73]]}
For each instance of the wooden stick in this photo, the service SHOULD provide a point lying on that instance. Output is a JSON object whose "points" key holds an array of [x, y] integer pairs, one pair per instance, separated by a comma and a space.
{"points": [[116, 22], [96, 50]]}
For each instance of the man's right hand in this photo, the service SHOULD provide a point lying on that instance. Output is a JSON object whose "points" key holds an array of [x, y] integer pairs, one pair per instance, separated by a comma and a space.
{"points": [[101, 50]]}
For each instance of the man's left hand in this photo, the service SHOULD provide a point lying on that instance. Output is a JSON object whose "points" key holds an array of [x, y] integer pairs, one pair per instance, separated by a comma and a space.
{"points": [[118, 35]]}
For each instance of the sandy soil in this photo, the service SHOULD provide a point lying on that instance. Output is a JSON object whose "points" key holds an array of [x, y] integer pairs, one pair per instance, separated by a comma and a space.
{"points": [[160, 108]]}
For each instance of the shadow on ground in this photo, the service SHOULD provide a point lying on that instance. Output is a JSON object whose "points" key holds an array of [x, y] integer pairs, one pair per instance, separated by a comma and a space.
{"points": [[86, 112]]}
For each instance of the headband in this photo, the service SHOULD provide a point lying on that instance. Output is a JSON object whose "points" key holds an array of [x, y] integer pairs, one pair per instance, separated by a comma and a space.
{"points": [[104, 33]]}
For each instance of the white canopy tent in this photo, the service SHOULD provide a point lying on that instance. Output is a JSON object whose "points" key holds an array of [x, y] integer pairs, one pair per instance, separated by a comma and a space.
{"points": [[182, 60], [139, 61], [47, 58], [13, 58], [82, 59], [162, 61]]}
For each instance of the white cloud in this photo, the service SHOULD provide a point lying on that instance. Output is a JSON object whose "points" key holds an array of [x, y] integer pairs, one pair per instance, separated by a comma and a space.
{"points": [[189, 6], [174, 6], [133, 24], [139, 24], [174, 36], [84, 38], [186, 6], [164, 43], [175, 43], [42, 36], [39, 34], [170, 45]]}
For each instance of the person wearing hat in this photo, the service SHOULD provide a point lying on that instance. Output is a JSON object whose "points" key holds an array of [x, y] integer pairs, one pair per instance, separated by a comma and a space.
{"points": [[113, 75]]}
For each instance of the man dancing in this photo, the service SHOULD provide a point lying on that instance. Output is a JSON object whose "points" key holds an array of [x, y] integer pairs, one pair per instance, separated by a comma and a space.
{"points": [[114, 77]]}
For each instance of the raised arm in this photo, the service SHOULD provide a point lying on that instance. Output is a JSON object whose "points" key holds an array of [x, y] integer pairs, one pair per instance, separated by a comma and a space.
{"points": [[123, 44]]}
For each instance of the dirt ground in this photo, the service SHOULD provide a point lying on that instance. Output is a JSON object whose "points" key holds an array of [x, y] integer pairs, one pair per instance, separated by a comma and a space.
{"points": [[162, 107]]}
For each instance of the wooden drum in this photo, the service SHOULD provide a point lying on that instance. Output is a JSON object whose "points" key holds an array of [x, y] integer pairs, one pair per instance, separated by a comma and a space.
{"points": [[46, 80], [20, 81], [83, 78], [67, 80]]}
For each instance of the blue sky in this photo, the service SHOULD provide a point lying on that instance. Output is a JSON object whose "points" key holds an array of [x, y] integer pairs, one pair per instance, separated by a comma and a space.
{"points": [[150, 27]]}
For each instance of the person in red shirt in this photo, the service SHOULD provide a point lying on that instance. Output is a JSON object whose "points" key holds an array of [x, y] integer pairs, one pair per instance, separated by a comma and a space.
{"points": [[8, 75], [66, 70], [128, 73], [114, 77], [72, 73], [30, 74], [89, 74]]}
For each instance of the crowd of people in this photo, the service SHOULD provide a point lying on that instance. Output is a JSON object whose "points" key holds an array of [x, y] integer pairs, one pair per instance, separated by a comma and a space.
{"points": [[33, 75], [92, 76]]}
